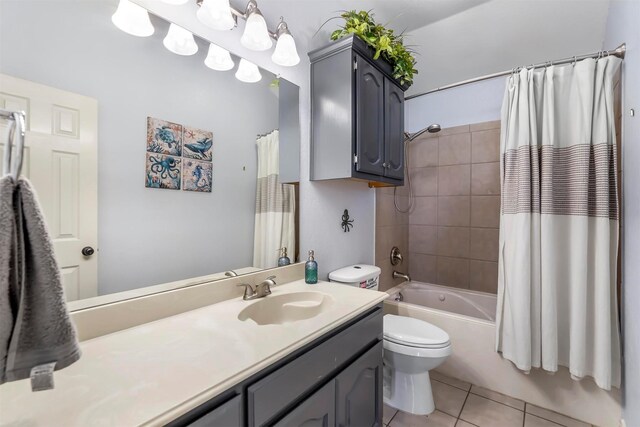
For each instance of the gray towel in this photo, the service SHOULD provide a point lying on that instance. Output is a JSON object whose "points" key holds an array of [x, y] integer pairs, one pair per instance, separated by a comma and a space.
{"points": [[42, 332]]}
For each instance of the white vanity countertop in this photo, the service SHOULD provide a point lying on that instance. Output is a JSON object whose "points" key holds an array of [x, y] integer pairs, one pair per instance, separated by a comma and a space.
{"points": [[153, 373]]}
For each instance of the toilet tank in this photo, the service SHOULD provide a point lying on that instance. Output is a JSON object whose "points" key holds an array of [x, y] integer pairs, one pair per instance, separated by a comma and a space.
{"points": [[360, 275]]}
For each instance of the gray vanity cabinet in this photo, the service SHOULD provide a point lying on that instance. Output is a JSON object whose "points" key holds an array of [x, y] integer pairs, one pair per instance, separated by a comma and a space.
{"points": [[318, 410], [334, 381], [359, 391], [357, 115]]}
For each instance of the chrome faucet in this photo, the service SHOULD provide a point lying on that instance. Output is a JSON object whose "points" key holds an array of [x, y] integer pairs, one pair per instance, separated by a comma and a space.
{"points": [[261, 290], [230, 273], [398, 275]]}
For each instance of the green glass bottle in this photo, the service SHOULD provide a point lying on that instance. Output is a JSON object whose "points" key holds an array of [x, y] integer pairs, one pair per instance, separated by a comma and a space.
{"points": [[311, 270]]}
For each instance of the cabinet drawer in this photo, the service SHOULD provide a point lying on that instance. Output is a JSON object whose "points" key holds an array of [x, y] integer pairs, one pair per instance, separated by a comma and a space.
{"points": [[279, 390]]}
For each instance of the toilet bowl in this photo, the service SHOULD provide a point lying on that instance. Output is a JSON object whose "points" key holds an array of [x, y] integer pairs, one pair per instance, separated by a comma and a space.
{"points": [[412, 348]]}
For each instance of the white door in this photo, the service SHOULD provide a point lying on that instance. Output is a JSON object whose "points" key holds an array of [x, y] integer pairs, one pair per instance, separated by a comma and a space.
{"points": [[60, 160]]}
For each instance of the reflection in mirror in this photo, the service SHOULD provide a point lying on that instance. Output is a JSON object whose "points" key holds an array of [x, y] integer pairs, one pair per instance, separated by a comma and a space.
{"points": [[150, 166]]}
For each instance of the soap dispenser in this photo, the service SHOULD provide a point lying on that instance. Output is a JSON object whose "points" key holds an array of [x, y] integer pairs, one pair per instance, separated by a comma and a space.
{"points": [[311, 270], [284, 259]]}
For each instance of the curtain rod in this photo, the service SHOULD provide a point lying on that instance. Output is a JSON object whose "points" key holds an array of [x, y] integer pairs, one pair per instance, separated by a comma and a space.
{"points": [[618, 52]]}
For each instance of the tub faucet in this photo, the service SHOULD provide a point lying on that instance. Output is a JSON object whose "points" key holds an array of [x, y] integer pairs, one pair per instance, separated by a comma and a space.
{"points": [[398, 275], [230, 273]]}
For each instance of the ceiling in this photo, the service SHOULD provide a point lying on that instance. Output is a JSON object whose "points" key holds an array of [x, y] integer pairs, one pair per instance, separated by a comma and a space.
{"points": [[459, 39]]}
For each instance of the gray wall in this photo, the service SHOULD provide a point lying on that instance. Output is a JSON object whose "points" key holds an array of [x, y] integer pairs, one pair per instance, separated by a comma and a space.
{"points": [[622, 26], [148, 236]]}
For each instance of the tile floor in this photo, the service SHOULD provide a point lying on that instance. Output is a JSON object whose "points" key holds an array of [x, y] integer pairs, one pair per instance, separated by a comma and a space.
{"points": [[460, 404]]}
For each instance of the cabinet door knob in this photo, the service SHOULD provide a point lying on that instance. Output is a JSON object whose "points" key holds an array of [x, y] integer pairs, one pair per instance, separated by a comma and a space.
{"points": [[385, 165]]}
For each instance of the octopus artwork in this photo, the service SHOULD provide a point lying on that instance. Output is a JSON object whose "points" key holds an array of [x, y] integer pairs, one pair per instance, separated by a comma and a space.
{"points": [[163, 171]]}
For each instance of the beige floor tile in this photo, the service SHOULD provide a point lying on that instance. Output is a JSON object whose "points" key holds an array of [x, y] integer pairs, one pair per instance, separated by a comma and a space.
{"points": [[533, 421], [498, 397], [487, 413], [554, 416], [463, 423], [448, 399], [388, 413], [449, 380], [435, 419]]}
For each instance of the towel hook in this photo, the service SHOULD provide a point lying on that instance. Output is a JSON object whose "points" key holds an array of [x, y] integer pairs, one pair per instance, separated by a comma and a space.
{"points": [[10, 165]]}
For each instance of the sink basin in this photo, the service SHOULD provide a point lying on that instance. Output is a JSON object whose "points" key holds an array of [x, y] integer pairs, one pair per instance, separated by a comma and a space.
{"points": [[287, 308]]}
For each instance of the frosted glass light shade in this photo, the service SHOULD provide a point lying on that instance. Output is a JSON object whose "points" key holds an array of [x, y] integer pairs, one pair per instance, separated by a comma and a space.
{"points": [[175, 2], [132, 19], [216, 14], [256, 35], [285, 53], [218, 59], [180, 41], [248, 72]]}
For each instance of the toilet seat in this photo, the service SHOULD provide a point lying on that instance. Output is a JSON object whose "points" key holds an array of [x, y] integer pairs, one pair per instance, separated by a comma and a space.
{"points": [[416, 351], [410, 332]]}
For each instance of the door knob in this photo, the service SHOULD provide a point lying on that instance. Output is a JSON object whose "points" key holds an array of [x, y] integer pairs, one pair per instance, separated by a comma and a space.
{"points": [[87, 251]]}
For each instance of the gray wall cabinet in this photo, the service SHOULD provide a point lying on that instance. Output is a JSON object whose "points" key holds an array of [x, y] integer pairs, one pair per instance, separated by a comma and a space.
{"points": [[357, 115], [334, 381]]}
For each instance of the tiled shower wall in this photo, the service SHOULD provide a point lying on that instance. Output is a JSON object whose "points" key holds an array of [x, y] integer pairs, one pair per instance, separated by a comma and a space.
{"points": [[453, 228], [450, 237]]}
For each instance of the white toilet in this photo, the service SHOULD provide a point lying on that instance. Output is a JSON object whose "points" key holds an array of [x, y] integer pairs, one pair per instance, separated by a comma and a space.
{"points": [[412, 347]]}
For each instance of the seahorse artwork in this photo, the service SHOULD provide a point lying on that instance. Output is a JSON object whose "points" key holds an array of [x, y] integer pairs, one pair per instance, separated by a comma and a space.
{"points": [[197, 175]]}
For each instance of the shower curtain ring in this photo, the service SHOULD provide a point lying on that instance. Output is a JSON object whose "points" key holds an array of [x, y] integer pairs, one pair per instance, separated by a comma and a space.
{"points": [[574, 61]]}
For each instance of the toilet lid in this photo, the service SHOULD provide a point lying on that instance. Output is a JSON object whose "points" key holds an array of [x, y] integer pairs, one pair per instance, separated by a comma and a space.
{"points": [[413, 332]]}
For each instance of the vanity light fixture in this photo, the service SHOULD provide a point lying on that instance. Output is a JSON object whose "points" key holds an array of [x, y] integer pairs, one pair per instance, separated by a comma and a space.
{"points": [[285, 53], [132, 19], [216, 14], [218, 59], [248, 72], [256, 35], [180, 41]]}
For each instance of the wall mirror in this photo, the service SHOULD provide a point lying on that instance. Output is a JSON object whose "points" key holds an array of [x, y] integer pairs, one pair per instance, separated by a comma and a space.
{"points": [[151, 167]]}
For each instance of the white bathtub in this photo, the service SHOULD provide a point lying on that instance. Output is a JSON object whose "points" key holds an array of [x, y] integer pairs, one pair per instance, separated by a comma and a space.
{"points": [[469, 319], [480, 305]]}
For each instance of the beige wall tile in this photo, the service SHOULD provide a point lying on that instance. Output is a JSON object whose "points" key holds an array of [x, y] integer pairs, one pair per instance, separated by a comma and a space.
{"points": [[454, 210], [495, 124], [389, 236], [485, 179], [487, 413], [424, 239], [483, 244], [483, 276], [423, 152], [453, 241], [423, 268], [454, 149], [485, 146], [425, 211], [485, 211], [454, 130], [454, 180], [424, 181], [453, 272]]}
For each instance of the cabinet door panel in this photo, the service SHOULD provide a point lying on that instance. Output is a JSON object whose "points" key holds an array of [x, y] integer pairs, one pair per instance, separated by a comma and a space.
{"points": [[359, 391], [394, 130], [369, 118], [319, 410], [228, 414]]}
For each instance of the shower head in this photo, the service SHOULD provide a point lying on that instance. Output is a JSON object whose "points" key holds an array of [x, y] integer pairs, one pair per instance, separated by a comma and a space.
{"points": [[433, 128]]}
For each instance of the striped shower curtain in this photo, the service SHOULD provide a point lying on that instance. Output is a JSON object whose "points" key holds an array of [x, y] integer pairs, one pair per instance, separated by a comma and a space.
{"points": [[275, 206], [559, 222]]}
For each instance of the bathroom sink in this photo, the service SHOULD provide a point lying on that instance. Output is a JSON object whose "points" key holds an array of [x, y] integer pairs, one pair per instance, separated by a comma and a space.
{"points": [[286, 308]]}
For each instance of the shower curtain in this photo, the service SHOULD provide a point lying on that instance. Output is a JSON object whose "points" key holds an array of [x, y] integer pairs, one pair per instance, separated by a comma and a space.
{"points": [[275, 206], [559, 222]]}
